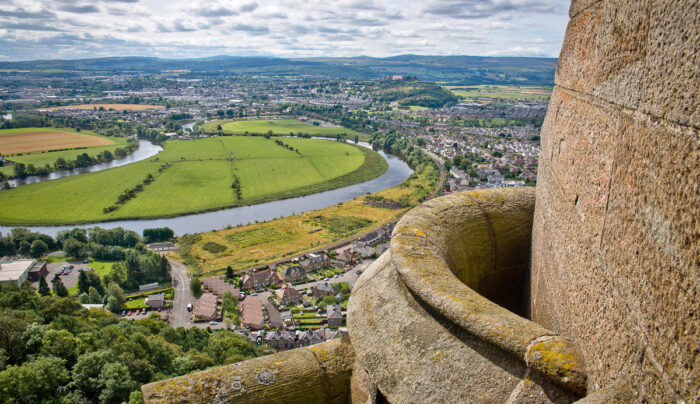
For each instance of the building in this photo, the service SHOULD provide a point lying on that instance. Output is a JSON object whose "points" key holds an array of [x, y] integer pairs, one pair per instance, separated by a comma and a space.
{"points": [[309, 337], [314, 262], [218, 286], [161, 247], [16, 271], [281, 340], [149, 286], [39, 268], [257, 280], [288, 295], [206, 307], [252, 315], [293, 273], [323, 289], [156, 301], [334, 315]]}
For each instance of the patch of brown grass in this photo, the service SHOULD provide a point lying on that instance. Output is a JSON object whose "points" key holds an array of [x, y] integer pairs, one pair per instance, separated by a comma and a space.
{"points": [[12, 143]]}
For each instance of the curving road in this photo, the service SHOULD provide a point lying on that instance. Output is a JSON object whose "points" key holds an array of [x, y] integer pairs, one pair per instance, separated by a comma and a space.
{"points": [[179, 316]]}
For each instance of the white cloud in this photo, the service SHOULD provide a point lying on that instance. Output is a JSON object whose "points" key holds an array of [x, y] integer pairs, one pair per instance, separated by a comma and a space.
{"points": [[285, 28]]}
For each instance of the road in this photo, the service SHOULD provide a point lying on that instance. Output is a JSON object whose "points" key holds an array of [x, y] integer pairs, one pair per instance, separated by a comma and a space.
{"points": [[179, 316]]}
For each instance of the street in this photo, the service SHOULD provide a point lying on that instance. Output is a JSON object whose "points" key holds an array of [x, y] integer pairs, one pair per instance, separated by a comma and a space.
{"points": [[179, 316]]}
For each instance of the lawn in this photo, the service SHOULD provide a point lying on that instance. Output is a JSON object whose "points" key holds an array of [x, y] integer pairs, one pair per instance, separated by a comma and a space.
{"points": [[194, 176], [261, 243], [503, 92], [114, 107], [278, 127]]}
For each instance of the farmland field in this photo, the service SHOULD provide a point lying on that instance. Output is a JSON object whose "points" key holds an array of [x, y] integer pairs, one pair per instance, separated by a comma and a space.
{"points": [[26, 140], [116, 107], [278, 127], [502, 92], [41, 158], [194, 176]]}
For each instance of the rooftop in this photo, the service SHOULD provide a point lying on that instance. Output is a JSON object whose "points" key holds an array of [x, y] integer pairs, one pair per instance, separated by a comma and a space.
{"points": [[13, 270]]}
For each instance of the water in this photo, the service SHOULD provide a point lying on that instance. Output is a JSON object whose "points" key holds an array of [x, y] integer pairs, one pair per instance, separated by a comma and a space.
{"points": [[397, 172], [145, 150]]}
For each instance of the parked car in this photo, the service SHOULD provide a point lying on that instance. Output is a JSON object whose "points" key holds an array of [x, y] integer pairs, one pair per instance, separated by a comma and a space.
{"points": [[213, 322], [158, 309], [123, 313], [128, 313], [143, 311], [87, 260], [254, 294], [189, 307], [70, 267]]}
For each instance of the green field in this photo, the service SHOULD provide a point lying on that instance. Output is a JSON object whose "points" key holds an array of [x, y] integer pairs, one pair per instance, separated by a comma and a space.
{"points": [[194, 176], [532, 93], [41, 158], [278, 127]]}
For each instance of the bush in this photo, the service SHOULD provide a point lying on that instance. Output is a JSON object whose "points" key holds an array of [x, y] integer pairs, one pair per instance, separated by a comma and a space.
{"points": [[213, 247]]}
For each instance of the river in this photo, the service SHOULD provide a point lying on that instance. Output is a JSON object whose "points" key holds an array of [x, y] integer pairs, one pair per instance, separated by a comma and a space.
{"points": [[145, 150], [397, 172]]}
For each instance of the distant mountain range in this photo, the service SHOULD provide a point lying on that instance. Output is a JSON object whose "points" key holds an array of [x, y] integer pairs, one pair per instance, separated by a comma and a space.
{"points": [[458, 70]]}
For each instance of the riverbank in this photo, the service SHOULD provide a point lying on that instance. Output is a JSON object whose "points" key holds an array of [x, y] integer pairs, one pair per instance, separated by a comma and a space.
{"points": [[262, 243]]}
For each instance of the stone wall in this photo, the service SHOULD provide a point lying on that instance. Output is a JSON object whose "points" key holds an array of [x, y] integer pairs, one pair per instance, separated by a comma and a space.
{"points": [[615, 238]]}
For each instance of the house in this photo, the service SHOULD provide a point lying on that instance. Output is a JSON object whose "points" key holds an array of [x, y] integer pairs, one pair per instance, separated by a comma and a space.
{"points": [[156, 301], [218, 286], [206, 307], [314, 262], [257, 280], [288, 295], [252, 315], [293, 273], [281, 339], [38, 269], [161, 246], [16, 271], [334, 315], [308, 338], [344, 257], [323, 289]]}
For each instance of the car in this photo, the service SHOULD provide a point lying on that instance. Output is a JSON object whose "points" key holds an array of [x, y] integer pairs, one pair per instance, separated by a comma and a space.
{"points": [[189, 307], [325, 279], [123, 313], [143, 311], [335, 276], [213, 322], [70, 266], [254, 294], [158, 309], [86, 260], [128, 313]]}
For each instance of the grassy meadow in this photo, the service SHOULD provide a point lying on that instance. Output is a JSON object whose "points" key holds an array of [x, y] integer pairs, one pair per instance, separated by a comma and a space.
{"points": [[194, 176], [278, 127], [531, 93], [47, 156], [261, 243]]}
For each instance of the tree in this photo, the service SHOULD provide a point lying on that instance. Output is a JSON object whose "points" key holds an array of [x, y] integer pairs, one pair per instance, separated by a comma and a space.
{"points": [[73, 248], [357, 139], [117, 382], [229, 272], [58, 287], [84, 298], [95, 296], [34, 382], [83, 283], [115, 298], [43, 286], [38, 249], [196, 287]]}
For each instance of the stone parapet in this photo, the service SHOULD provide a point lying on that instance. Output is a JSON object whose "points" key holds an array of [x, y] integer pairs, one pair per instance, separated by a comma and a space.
{"points": [[316, 374], [427, 319]]}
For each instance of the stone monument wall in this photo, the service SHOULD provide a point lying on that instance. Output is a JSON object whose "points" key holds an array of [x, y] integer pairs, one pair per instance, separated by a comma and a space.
{"points": [[615, 240]]}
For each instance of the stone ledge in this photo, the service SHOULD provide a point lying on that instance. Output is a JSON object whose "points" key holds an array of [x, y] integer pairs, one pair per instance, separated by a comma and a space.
{"points": [[319, 373]]}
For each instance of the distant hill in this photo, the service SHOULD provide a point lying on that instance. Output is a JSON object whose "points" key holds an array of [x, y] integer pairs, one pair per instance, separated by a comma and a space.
{"points": [[459, 70]]}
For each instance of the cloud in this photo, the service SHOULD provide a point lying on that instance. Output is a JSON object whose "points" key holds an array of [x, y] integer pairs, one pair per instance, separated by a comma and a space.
{"points": [[216, 12], [28, 26], [26, 14], [251, 29], [246, 8], [80, 9], [473, 9]]}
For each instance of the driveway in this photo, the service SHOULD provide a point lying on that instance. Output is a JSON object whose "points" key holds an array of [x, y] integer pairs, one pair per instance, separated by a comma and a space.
{"points": [[179, 316], [69, 280]]}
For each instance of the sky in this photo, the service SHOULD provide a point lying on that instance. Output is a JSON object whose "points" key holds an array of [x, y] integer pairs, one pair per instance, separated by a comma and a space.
{"points": [[75, 29]]}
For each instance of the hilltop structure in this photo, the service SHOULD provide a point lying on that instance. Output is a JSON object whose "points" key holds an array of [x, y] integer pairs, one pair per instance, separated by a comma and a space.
{"points": [[585, 289]]}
